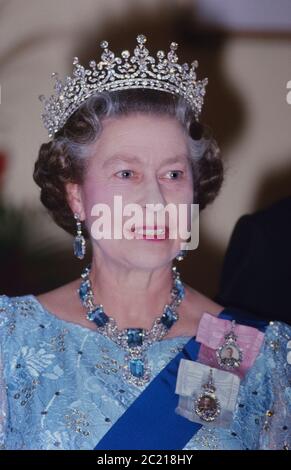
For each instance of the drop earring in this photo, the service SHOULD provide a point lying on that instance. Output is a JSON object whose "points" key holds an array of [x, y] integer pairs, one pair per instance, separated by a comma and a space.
{"points": [[181, 255], [79, 241]]}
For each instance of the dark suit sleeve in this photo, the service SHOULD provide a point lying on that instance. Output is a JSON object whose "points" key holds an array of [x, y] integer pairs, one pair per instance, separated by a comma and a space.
{"points": [[256, 274], [243, 261]]}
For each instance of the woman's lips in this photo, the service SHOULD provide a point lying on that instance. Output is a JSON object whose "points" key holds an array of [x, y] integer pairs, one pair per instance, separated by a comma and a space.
{"points": [[151, 233]]}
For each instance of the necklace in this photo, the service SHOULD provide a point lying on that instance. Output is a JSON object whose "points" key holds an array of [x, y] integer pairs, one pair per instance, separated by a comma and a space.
{"points": [[134, 341]]}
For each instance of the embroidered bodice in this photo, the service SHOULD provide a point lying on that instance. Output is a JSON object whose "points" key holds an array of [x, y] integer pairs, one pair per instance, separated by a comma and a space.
{"points": [[62, 387]]}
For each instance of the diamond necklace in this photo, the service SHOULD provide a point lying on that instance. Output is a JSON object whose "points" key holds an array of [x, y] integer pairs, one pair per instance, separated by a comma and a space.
{"points": [[135, 341]]}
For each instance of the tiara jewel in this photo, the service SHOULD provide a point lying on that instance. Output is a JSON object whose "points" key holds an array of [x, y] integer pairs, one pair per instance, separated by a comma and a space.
{"points": [[140, 70]]}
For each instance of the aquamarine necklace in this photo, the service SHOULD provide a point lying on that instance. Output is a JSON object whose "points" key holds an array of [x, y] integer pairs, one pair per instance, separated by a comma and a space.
{"points": [[134, 341]]}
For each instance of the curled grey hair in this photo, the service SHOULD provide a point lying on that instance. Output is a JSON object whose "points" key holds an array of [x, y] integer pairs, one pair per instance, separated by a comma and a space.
{"points": [[64, 159]]}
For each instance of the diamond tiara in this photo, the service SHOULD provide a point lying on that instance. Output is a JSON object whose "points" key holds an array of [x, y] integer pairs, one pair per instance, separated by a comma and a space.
{"points": [[139, 70]]}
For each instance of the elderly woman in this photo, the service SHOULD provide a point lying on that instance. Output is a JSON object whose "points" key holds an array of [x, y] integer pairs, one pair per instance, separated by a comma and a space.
{"points": [[128, 356]]}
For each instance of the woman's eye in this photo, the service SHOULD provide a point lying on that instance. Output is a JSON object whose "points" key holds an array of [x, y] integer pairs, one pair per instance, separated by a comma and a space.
{"points": [[124, 173], [175, 174]]}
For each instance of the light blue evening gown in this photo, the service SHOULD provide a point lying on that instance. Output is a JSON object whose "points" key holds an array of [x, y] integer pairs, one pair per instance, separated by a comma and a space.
{"points": [[62, 386]]}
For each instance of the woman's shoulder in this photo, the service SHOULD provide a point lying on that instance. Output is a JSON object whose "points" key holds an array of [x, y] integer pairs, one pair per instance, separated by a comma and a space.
{"points": [[21, 315], [14, 308], [275, 346], [273, 336], [63, 302], [278, 341], [18, 320], [32, 306], [276, 332], [195, 303], [10, 305]]}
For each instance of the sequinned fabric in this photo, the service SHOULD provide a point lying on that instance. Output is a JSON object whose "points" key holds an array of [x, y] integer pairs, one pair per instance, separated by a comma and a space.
{"points": [[61, 385]]}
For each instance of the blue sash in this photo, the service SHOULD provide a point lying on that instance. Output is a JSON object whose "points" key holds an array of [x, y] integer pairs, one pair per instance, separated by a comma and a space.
{"points": [[151, 423]]}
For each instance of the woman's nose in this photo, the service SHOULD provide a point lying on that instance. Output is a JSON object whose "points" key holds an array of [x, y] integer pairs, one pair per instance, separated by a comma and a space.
{"points": [[152, 193]]}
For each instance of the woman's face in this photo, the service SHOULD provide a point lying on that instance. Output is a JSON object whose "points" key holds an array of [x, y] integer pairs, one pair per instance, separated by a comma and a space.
{"points": [[144, 159]]}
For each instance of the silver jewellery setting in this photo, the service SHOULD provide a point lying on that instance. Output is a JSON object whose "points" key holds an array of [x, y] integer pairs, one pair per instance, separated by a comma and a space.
{"points": [[207, 406], [111, 73], [181, 255], [229, 355], [134, 341]]}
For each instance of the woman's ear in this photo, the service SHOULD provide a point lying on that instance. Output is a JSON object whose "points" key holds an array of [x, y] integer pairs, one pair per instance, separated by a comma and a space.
{"points": [[74, 198]]}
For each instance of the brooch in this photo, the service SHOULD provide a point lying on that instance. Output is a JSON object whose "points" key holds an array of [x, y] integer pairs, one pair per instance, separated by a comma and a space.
{"points": [[207, 406], [206, 395], [227, 344], [229, 355]]}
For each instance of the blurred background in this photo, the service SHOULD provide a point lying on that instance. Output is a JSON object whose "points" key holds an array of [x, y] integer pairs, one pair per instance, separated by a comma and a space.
{"points": [[243, 47]]}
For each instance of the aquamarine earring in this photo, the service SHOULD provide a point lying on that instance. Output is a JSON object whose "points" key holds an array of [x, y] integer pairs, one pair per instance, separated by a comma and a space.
{"points": [[181, 255], [79, 241]]}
